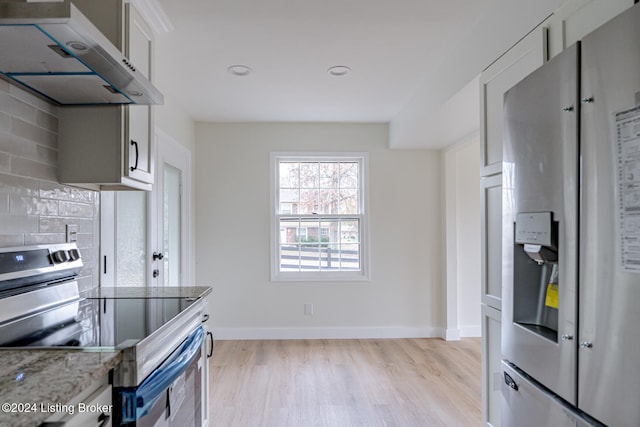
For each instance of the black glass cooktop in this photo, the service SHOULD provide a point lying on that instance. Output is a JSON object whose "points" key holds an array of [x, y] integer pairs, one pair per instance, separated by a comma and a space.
{"points": [[98, 322]]}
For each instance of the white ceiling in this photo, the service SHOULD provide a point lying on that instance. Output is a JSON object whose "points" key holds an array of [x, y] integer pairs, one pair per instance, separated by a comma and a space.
{"points": [[392, 47]]}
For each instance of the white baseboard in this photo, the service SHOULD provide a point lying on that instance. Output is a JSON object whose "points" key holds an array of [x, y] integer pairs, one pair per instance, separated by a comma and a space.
{"points": [[452, 335], [463, 332], [325, 333], [474, 331]]}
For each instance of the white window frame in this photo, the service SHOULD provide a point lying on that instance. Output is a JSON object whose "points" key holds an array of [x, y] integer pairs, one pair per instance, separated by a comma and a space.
{"points": [[320, 276]]}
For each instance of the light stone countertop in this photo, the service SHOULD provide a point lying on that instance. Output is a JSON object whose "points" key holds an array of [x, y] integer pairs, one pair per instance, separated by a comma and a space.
{"points": [[41, 378]]}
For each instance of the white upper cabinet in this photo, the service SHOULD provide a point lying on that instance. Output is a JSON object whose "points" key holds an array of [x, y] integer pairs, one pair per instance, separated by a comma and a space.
{"points": [[111, 147]]}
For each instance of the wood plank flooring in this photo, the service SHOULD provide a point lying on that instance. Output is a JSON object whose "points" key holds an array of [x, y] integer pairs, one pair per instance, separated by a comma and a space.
{"points": [[363, 383]]}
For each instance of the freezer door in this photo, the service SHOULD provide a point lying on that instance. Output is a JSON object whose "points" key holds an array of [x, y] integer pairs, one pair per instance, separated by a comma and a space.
{"points": [[609, 340], [540, 224], [526, 404]]}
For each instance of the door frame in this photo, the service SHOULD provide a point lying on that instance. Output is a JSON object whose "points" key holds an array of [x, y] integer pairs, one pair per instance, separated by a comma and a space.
{"points": [[170, 151]]}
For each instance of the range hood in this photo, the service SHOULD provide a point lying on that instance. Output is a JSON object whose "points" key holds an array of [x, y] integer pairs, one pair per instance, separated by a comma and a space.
{"points": [[52, 49]]}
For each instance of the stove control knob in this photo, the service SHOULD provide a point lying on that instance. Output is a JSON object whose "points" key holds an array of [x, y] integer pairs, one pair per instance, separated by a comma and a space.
{"points": [[60, 256], [74, 255]]}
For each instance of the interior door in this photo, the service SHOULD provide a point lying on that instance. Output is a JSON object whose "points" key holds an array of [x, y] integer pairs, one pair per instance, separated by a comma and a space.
{"points": [[171, 198]]}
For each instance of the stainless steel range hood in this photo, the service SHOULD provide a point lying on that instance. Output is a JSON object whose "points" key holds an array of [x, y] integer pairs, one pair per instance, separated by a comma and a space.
{"points": [[52, 49]]}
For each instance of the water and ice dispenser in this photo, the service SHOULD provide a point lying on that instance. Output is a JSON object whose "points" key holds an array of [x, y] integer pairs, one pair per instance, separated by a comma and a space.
{"points": [[535, 273]]}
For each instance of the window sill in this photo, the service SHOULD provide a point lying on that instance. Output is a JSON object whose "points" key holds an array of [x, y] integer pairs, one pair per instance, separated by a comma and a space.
{"points": [[320, 277]]}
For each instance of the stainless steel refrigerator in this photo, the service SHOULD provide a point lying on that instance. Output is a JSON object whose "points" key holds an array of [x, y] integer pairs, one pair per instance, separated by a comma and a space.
{"points": [[571, 236]]}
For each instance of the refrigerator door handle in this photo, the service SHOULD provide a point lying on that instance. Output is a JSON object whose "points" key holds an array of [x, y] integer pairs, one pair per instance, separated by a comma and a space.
{"points": [[510, 382]]}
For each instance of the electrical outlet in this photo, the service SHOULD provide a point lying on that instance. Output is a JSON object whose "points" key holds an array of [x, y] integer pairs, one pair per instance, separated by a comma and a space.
{"points": [[308, 309], [72, 233]]}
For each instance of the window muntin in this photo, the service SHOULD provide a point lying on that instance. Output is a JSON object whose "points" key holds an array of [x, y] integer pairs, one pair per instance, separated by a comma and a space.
{"points": [[319, 187], [319, 216]]}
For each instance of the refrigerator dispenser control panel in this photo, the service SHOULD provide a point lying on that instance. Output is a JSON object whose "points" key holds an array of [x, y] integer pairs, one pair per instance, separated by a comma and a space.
{"points": [[534, 228]]}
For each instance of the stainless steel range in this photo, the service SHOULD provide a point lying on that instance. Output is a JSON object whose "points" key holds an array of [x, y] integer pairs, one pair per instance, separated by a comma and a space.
{"points": [[162, 379]]}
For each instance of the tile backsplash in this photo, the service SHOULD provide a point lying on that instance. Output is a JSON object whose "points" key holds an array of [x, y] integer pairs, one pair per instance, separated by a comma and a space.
{"points": [[34, 207]]}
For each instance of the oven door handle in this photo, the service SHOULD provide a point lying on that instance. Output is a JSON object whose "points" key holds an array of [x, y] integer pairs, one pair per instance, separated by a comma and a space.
{"points": [[136, 401]]}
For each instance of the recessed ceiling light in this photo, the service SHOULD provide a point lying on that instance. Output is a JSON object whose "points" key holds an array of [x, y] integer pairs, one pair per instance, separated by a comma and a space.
{"points": [[239, 70], [339, 70]]}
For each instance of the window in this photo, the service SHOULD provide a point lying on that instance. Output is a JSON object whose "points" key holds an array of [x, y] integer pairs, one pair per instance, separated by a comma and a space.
{"points": [[318, 216]]}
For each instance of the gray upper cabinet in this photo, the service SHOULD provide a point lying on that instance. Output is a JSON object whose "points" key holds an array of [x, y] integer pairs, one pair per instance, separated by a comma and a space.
{"points": [[577, 18], [491, 236], [509, 69], [111, 147]]}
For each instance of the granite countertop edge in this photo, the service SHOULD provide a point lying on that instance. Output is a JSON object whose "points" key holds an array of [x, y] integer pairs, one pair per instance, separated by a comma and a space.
{"points": [[148, 292], [34, 381]]}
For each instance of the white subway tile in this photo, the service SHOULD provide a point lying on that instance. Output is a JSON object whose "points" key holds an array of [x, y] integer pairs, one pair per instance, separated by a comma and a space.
{"points": [[8, 240], [5, 163], [34, 133], [44, 238], [56, 191], [34, 207], [25, 167], [47, 121], [5, 122], [4, 203], [27, 149], [10, 184], [73, 209], [31, 99], [18, 224], [17, 108], [23, 205]]}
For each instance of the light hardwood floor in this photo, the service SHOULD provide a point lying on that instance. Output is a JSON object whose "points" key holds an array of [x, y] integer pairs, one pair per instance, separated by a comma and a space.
{"points": [[341, 383]]}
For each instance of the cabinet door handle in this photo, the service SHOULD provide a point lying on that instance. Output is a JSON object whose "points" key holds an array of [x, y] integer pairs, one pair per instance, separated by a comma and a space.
{"points": [[210, 344], [135, 166]]}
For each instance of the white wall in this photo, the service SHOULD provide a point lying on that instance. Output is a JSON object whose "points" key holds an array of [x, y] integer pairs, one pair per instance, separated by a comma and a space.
{"points": [[175, 122], [463, 245], [405, 295]]}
